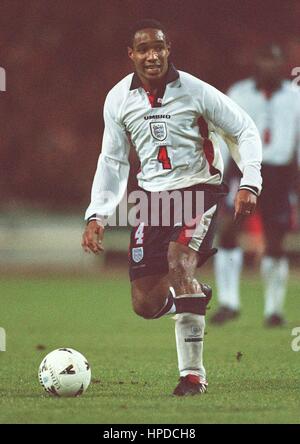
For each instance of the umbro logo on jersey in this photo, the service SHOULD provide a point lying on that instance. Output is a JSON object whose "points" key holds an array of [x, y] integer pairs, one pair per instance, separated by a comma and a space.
{"points": [[158, 116]]}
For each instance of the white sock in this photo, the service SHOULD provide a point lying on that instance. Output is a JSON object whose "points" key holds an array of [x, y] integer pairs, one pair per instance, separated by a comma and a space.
{"points": [[282, 278], [189, 331], [173, 308], [221, 276], [228, 265], [275, 273]]}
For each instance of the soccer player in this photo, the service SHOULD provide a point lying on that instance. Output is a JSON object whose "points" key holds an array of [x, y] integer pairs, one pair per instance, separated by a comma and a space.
{"points": [[172, 119], [274, 105]]}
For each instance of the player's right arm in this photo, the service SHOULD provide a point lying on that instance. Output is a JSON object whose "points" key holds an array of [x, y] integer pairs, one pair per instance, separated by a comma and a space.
{"points": [[111, 175]]}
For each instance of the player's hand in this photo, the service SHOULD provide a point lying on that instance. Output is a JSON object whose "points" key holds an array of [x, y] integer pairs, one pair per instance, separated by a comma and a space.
{"points": [[92, 237], [244, 205]]}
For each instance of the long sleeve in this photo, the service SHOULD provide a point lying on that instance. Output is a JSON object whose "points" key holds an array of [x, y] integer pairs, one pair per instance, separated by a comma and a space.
{"points": [[112, 171], [239, 132]]}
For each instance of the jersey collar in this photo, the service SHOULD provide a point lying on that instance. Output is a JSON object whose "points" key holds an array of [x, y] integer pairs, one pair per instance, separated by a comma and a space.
{"points": [[172, 75]]}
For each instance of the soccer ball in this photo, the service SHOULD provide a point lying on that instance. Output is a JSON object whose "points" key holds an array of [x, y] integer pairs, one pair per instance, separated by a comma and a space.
{"points": [[65, 372]]}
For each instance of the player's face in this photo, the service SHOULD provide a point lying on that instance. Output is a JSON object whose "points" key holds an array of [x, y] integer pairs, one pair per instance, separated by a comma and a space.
{"points": [[269, 69], [149, 53]]}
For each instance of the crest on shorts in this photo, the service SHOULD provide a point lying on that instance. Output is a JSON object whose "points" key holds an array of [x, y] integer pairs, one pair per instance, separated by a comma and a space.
{"points": [[137, 254], [158, 130]]}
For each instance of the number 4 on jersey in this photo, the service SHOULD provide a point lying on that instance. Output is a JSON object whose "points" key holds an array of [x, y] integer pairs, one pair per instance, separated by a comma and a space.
{"points": [[163, 158], [139, 234]]}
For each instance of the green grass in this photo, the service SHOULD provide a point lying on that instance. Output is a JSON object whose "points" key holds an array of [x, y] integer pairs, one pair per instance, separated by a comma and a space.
{"points": [[135, 360]]}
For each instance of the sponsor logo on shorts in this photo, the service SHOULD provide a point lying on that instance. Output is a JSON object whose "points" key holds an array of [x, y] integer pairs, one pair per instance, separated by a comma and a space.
{"points": [[137, 254]]}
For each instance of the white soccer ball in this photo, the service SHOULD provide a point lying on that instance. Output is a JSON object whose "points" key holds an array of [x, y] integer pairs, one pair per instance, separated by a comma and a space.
{"points": [[65, 372]]}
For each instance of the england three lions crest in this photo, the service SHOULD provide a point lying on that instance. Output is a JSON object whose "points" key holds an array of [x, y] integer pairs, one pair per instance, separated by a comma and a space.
{"points": [[137, 254], [159, 130]]}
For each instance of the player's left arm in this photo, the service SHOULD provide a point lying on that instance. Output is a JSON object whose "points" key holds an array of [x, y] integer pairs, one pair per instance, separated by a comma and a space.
{"points": [[244, 144]]}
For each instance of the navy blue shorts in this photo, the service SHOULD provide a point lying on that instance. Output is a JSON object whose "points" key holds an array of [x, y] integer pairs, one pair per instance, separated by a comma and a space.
{"points": [[192, 222], [274, 202]]}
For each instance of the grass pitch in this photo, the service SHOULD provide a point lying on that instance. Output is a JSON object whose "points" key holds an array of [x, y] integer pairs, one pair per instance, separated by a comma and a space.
{"points": [[254, 376]]}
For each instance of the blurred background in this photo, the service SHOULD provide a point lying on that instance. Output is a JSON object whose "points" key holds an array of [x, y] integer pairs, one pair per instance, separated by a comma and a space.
{"points": [[61, 58]]}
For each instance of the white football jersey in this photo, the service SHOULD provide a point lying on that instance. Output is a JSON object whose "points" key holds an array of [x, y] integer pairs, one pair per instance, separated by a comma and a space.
{"points": [[176, 140], [277, 118]]}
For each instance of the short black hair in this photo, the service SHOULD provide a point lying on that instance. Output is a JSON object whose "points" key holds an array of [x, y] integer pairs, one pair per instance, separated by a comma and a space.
{"points": [[144, 24]]}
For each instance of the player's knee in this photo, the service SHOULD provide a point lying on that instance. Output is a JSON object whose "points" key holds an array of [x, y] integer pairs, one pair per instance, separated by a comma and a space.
{"points": [[274, 245], [228, 243], [228, 240], [149, 295], [274, 251], [143, 309]]}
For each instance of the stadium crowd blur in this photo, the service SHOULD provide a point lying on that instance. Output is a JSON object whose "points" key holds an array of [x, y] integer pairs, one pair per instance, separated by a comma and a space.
{"points": [[62, 57]]}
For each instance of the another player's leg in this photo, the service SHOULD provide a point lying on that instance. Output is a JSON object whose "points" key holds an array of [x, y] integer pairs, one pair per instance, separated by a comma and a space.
{"points": [[275, 210], [228, 265], [275, 270]]}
